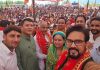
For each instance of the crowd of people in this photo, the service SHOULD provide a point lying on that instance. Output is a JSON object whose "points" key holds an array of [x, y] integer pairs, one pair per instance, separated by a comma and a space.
{"points": [[59, 38]]}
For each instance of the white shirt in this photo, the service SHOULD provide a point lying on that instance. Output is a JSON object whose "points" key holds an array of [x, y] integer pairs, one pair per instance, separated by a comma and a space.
{"points": [[95, 53], [8, 60], [91, 37], [1, 36], [40, 55]]}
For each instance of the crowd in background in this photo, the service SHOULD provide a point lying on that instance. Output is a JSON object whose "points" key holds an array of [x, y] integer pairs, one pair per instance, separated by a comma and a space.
{"points": [[50, 38]]}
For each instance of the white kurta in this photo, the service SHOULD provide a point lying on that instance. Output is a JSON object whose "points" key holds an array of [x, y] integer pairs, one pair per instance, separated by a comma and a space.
{"points": [[40, 55], [1, 36], [8, 60], [95, 52]]}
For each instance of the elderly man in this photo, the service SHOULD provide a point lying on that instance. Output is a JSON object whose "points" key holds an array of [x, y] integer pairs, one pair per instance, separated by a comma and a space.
{"points": [[42, 40]]}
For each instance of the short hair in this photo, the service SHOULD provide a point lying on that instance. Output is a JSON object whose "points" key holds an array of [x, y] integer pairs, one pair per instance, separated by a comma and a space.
{"points": [[41, 22], [96, 18], [80, 16], [4, 23], [61, 18], [78, 28], [26, 19], [11, 28]]}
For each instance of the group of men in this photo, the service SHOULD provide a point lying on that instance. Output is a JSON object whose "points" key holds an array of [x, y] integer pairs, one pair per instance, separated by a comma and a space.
{"points": [[19, 50]]}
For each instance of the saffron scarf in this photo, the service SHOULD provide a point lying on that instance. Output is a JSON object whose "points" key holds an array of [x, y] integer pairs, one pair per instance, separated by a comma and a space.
{"points": [[72, 64], [42, 41], [52, 57]]}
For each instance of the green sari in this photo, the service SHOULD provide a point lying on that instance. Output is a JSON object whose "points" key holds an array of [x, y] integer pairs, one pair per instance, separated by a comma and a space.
{"points": [[52, 57]]}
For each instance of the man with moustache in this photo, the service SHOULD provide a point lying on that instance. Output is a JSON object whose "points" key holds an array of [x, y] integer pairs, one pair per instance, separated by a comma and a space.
{"points": [[75, 58], [42, 40], [81, 20], [95, 30], [95, 27], [11, 39]]}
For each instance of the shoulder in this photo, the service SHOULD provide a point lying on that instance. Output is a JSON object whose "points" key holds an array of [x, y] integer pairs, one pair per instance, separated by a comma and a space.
{"points": [[91, 65], [63, 56], [97, 41]]}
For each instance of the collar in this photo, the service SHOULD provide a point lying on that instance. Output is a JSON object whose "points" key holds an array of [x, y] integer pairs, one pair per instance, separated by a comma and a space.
{"points": [[7, 51], [26, 37]]}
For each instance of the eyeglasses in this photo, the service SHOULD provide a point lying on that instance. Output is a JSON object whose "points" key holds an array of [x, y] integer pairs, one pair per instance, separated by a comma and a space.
{"points": [[76, 42]]}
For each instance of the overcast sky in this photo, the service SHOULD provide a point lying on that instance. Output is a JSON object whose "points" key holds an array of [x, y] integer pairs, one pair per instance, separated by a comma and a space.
{"points": [[85, 1]]}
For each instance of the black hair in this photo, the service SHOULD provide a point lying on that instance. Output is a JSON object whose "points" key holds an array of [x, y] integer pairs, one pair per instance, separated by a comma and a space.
{"points": [[80, 16], [96, 18], [4, 23], [26, 19], [61, 18], [78, 28], [11, 28]]}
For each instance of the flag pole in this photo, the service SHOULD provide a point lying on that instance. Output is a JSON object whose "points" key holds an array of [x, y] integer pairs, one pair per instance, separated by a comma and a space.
{"points": [[33, 7], [95, 3]]}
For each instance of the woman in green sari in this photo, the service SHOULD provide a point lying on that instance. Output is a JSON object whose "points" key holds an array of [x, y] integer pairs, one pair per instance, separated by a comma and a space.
{"points": [[55, 50]]}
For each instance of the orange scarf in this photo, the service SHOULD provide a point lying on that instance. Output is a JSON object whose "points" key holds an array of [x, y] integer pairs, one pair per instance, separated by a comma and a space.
{"points": [[72, 64], [1, 28], [42, 41]]}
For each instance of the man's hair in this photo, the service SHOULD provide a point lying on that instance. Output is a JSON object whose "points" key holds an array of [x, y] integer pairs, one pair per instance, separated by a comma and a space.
{"points": [[11, 28], [4, 23], [78, 28], [96, 18], [61, 18], [80, 16], [26, 19]]}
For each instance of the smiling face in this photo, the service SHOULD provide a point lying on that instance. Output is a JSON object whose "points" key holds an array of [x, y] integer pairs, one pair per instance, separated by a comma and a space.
{"points": [[95, 27], [12, 39], [61, 24], [76, 42], [44, 27], [58, 41], [27, 28], [80, 21]]}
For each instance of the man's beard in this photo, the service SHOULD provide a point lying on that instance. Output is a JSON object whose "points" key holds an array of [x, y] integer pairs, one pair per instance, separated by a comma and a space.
{"points": [[95, 31], [73, 53]]}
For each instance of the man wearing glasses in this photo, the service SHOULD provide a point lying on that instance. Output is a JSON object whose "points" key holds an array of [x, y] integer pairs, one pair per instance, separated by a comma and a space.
{"points": [[76, 57]]}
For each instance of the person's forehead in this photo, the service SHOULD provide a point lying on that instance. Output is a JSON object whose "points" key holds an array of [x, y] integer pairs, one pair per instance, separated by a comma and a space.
{"points": [[76, 35], [28, 22], [13, 32], [80, 18], [61, 20], [58, 36], [44, 24], [95, 22]]}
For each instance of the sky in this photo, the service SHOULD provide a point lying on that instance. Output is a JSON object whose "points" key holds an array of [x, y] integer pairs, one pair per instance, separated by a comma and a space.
{"points": [[82, 2], [85, 1]]}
